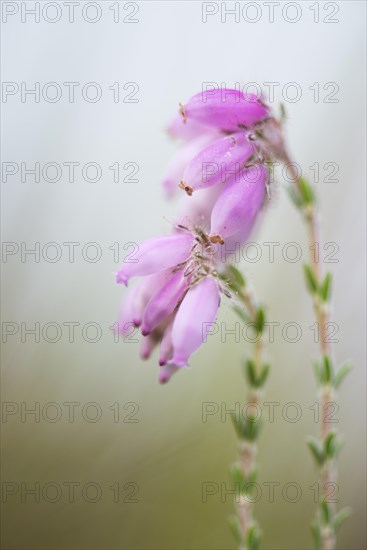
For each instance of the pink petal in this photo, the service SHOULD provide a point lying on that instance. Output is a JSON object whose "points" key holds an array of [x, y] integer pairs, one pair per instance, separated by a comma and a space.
{"points": [[193, 318], [217, 162], [180, 160], [225, 109], [197, 211], [188, 129], [134, 303], [238, 204], [164, 302], [166, 347], [166, 372], [156, 255], [147, 345]]}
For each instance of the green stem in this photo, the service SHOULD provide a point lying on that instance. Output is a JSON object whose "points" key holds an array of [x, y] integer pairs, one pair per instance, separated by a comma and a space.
{"points": [[325, 527]]}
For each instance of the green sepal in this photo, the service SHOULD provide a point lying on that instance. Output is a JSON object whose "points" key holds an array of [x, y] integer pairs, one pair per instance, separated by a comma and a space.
{"points": [[311, 279]]}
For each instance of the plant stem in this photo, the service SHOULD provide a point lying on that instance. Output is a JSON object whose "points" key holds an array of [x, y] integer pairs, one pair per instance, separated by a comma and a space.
{"points": [[326, 397], [245, 471]]}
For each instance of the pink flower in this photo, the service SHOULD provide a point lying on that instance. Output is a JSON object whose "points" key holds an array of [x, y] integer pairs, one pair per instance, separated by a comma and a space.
{"points": [[224, 109], [238, 204], [180, 160], [156, 255], [164, 302], [217, 162], [173, 304], [197, 311], [226, 140]]}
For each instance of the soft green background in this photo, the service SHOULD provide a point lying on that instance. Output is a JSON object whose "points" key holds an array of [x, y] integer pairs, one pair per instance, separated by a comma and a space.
{"points": [[170, 453]]}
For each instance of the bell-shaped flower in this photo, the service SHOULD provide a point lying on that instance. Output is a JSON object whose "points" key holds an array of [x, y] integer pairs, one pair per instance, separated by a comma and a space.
{"points": [[219, 161], [194, 317], [180, 160], [238, 204], [155, 255], [224, 109], [132, 309], [164, 302]]}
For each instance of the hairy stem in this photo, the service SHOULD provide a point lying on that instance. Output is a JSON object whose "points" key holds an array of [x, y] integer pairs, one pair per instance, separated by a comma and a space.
{"points": [[322, 314], [248, 426]]}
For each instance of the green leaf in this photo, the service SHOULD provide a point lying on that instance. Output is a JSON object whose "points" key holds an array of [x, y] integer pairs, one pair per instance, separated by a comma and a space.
{"points": [[311, 279], [316, 450], [332, 445], [237, 476], [325, 288], [238, 425], [325, 512], [327, 370], [316, 532], [236, 276], [264, 374], [234, 524], [341, 516], [254, 536], [251, 428], [250, 371], [260, 319], [306, 192], [341, 374]]}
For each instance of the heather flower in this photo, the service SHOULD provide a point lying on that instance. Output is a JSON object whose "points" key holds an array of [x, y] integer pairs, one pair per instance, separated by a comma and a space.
{"points": [[176, 167], [173, 305], [156, 255], [224, 109], [217, 162], [198, 309], [221, 160], [237, 206]]}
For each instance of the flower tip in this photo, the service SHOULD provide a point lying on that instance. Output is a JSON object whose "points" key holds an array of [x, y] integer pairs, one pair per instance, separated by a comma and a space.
{"points": [[144, 331], [187, 188], [163, 378], [121, 279], [216, 239]]}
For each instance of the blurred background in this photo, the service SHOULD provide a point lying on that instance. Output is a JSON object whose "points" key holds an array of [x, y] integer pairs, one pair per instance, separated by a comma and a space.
{"points": [[109, 459]]}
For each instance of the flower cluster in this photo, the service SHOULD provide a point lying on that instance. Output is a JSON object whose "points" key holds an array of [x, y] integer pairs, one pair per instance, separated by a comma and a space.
{"points": [[222, 169]]}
